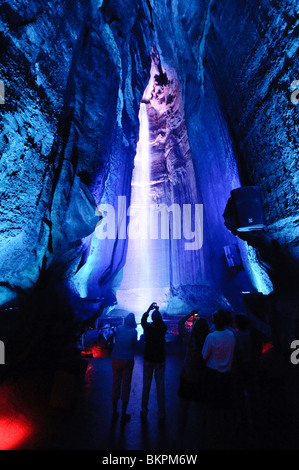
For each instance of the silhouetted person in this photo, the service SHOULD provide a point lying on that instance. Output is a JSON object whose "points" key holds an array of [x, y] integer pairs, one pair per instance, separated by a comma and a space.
{"points": [[228, 322], [246, 368], [154, 360], [218, 351], [192, 376], [123, 364]]}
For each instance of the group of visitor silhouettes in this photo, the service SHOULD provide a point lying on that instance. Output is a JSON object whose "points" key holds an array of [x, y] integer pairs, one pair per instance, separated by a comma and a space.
{"points": [[219, 359]]}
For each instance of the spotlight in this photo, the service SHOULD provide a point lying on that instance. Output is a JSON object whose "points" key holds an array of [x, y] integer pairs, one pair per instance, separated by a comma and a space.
{"points": [[244, 210]]}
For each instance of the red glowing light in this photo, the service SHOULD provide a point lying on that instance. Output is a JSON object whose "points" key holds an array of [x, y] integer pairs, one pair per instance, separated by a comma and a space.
{"points": [[96, 351], [13, 432], [267, 347]]}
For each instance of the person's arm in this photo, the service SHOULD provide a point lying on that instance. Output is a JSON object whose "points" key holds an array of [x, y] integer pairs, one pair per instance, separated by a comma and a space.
{"points": [[144, 320], [181, 324], [146, 314], [206, 350], [135, 339], [145, 317]]}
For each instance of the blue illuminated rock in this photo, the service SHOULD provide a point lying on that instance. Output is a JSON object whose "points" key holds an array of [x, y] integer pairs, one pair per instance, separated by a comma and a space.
{"points": [[75, 73]]}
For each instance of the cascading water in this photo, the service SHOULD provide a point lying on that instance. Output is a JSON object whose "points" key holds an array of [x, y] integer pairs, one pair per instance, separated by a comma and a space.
{"points": [[146, 272]]}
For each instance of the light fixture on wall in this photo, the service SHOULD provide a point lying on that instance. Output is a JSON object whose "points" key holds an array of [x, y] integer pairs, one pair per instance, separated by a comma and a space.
{"points": [[244, 210]]}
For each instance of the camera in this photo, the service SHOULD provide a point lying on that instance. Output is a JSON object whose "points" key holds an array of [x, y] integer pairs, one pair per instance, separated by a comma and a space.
{"points": [[154, 306]]}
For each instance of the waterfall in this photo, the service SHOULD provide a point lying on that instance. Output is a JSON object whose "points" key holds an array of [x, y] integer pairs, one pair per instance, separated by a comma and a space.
{"points": [[145, 274]]}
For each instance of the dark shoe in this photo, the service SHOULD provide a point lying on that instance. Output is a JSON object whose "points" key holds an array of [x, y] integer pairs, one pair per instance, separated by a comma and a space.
{"points": [[125, 418]]}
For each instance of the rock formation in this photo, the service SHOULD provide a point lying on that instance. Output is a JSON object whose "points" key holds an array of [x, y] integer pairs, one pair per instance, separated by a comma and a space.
{"points": [[220, 116]]}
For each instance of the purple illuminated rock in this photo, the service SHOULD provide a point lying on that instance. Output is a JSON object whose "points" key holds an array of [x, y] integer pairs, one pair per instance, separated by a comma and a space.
{"points": [[220, 113]]}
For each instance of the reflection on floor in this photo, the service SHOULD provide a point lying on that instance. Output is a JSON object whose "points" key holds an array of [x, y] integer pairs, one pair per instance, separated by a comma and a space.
{"points": [[30, 418]]}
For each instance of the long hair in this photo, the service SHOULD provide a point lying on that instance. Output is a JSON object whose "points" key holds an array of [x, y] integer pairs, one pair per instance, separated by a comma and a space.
{"points": [[130, 321], [200, 331]]}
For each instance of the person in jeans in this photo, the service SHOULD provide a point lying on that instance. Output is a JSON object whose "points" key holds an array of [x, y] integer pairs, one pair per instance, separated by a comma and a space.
{"points": [[154, 360], [123, 364], [218, 352]]}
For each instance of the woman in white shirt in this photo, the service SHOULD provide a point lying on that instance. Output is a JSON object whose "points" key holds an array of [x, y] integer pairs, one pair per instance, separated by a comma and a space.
{"points": [[218, 351]]}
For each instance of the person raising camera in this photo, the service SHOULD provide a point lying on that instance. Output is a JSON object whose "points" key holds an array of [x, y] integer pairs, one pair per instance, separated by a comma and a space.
{"points": [[154, 360]]}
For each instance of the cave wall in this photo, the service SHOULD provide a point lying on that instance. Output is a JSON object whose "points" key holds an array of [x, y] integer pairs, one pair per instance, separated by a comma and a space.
{"points": [[172, 172], [236, 62], [263, 62], [250, 69], [75, 73], [212, 145]]}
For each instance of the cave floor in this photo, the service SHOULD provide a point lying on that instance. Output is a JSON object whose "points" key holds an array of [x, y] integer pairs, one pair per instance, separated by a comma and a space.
{"points": [[30, 419]]}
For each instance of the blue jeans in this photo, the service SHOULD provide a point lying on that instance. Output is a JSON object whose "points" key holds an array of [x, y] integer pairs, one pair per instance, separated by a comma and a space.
{"points": [[158, 369], [122, 376]]}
